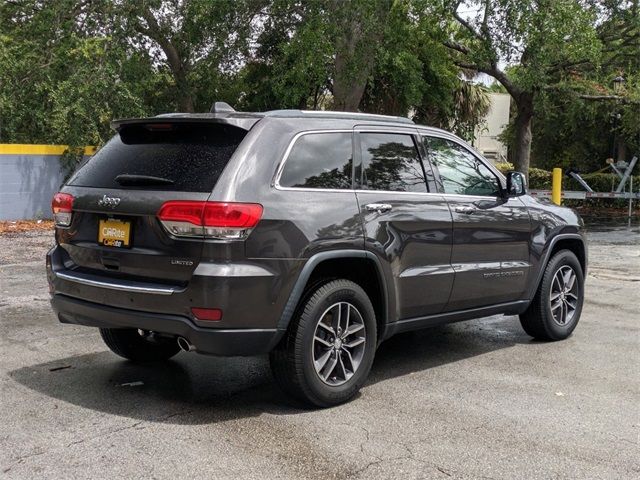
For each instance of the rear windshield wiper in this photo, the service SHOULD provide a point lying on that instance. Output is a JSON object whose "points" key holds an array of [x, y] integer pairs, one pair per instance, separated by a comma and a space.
{"points": [[132, 180]]}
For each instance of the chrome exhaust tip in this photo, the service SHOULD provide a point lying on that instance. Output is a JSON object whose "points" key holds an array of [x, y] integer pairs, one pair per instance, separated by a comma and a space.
{"points": [[184, 345]]}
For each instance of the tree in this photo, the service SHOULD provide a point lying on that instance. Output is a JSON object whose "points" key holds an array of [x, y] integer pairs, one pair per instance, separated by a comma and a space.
{"points": [[585, 119], [62, 77], [525, 45], [195, 37]]}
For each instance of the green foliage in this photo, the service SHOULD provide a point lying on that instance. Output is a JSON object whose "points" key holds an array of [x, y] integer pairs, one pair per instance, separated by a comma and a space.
{"points": [[60, 84], [540, 179], [67, 68]]}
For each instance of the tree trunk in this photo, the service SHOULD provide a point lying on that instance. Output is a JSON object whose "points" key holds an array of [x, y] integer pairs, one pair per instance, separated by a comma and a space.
{"points": [[179, 71], [349, 84], [361, 27], [524, 116], [185, 99]]}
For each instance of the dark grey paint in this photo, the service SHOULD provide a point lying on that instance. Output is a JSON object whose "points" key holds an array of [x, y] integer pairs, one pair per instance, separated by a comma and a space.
{"points": [[431, 260]]}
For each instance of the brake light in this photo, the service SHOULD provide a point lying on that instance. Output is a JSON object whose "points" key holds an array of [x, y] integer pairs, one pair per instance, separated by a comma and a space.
{"points": [[62, 207], [219, 220]]}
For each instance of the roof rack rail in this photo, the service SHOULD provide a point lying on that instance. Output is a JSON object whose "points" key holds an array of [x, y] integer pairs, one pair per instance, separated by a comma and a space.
{"points": [[333, 114]]}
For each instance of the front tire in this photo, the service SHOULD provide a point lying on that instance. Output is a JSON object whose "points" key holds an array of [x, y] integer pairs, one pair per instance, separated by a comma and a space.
{"points": [[555, 310], [327, 353], [129, 344]]}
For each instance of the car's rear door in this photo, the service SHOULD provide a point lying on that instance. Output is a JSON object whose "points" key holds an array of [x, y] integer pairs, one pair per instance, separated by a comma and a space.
{"points": [[405, 225], [491, 233], [115, 231]]}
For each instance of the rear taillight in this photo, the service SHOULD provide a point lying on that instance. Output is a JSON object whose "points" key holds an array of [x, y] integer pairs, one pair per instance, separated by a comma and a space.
{"points": [[219, 220], [62, 206]]}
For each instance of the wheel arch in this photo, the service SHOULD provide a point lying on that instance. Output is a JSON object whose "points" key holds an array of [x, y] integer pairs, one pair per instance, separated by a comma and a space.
{"points": [[359, 266], [573, 242]]}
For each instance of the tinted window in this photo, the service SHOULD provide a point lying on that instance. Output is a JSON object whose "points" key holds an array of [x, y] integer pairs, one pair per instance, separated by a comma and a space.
{"points": [[390, 161], [319, 160], [191, 157], [460, 171]]}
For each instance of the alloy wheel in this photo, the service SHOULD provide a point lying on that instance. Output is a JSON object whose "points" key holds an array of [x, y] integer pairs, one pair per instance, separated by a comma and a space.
{"points": [[338, 343], [564, 295]]}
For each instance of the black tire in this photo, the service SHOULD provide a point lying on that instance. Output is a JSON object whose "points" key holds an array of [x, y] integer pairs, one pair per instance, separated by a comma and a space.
{"points": [[292, 362], [128, 343], [538, 320]]}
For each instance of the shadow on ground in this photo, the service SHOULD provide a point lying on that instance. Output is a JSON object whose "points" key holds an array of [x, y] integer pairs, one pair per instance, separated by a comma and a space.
{"points": [[194, 389]]}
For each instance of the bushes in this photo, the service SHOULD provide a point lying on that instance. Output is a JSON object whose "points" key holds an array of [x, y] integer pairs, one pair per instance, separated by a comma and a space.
{"points": [[540, 179]]}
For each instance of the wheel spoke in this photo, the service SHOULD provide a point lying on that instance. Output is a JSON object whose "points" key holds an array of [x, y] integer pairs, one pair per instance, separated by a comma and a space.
{"points": [[572, 280], [355, 327], [327, 328], [565, 312], [336, 318], [566, 278], [352, 365], [332, 364], [341, 363], [557, 283], [323, 341], [355, 343], [347, 317], [558, 303], [321, 362]]}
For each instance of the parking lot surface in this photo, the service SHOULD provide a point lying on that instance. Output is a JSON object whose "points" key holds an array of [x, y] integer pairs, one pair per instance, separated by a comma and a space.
{"points": [[470, 400]]}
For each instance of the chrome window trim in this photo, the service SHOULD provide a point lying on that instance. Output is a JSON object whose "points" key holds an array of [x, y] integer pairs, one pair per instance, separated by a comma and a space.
{"points": [[408, 130], [287, 152], [434, 194]]}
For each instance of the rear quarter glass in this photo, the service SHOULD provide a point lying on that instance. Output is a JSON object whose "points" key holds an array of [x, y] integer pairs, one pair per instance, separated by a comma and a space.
{"points": [[192, 156]]}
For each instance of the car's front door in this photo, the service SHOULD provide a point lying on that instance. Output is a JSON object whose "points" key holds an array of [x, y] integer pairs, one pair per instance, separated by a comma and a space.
{"points": [[491, 233], [406, 227]]}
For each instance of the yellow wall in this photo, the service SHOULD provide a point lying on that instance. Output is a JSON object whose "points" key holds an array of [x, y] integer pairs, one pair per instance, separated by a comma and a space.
{"points": [[28, 149]]}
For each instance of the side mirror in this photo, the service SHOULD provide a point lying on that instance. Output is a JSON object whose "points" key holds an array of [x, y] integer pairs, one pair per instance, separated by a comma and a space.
{"points": [[516, 184]]}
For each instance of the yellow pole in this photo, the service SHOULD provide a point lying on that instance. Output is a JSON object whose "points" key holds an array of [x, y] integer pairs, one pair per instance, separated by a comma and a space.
{"points": [[556, 186]]}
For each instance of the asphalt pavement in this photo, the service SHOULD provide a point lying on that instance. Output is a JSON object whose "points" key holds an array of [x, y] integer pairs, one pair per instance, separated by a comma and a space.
{"points": [[477, 399]]}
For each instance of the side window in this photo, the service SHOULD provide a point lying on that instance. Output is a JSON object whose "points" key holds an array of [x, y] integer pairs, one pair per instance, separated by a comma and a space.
{"points": [[460, 171], [390, 161], [319, 160]]}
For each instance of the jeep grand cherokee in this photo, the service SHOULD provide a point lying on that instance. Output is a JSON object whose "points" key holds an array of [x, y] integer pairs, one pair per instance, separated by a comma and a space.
{"points": [[311, 236]]}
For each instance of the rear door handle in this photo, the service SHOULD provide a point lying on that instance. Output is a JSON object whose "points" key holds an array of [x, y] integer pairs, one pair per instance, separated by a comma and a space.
{"points": [[378, 207], [465, 209]]}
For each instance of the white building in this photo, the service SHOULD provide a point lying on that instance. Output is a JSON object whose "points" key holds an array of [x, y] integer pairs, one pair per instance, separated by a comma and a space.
{"points": [[492, 126]]}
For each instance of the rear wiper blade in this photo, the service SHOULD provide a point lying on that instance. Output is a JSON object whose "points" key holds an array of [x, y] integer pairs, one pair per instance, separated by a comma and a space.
{"points": [[131, 180]]}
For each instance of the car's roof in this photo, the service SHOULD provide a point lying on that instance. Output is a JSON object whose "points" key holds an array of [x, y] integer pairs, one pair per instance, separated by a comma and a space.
{"points": [[246, 120]]}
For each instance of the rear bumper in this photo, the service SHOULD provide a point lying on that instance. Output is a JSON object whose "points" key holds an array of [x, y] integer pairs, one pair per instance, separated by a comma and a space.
{"points": [[224, 342]]}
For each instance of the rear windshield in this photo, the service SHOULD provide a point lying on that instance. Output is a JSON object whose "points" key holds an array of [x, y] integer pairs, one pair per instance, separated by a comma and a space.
{"points": [[175, 157]]}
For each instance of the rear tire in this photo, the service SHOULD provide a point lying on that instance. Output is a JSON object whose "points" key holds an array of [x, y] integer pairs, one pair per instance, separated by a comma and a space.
{"points": [[127, 343], [555, 310], [335, 322]]}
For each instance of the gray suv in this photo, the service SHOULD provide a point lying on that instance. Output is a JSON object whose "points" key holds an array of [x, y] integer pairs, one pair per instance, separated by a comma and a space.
{"points": [[311, 236]]}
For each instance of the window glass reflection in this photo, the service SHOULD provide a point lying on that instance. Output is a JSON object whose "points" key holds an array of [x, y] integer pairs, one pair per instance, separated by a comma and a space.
{"points": [[391, 162], [460, 171]]}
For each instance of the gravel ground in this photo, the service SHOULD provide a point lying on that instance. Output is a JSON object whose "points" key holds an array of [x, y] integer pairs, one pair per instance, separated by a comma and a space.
{"points": [[470, 400]]}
